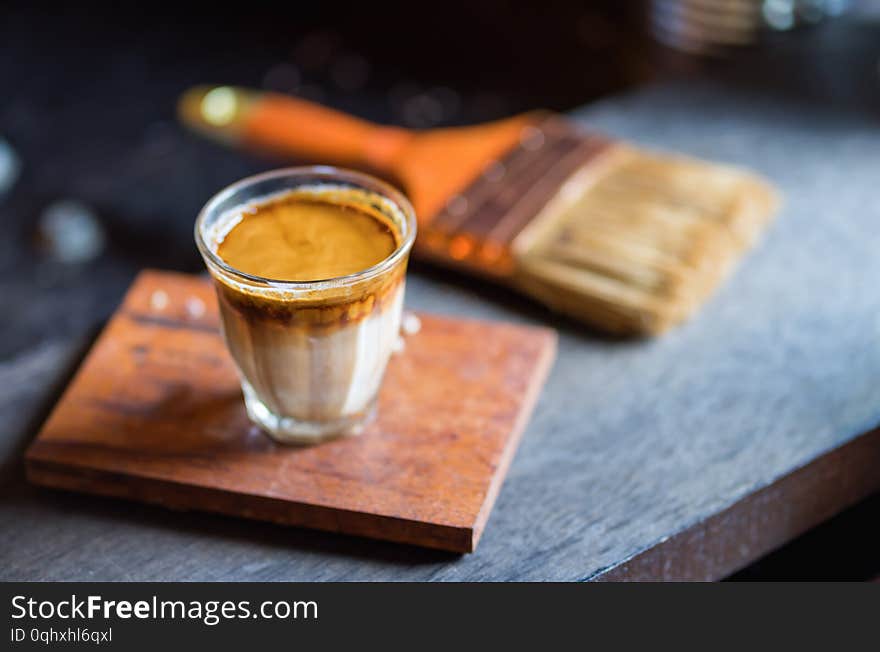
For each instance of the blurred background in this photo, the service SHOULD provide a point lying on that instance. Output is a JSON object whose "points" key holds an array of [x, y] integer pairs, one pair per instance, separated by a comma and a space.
{"points": [[98, 180]]}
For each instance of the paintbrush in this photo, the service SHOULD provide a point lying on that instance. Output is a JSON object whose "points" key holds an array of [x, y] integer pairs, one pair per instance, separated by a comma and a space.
{"points": [[627, 240]]}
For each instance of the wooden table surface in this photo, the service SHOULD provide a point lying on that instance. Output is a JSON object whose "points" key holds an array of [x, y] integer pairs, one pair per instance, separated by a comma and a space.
{"points": [[684, 457]]}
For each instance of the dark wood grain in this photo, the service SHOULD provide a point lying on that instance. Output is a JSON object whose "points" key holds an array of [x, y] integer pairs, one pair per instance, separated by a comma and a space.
{"points": [[764, 520], [155, 414]]}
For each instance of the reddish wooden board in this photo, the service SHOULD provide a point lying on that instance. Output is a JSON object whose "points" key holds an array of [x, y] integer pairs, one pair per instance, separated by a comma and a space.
{"points": [[155, 414]]}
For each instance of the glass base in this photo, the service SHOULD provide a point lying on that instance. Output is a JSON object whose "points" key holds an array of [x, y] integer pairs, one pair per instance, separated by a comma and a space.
{"points": [[290, 430]]}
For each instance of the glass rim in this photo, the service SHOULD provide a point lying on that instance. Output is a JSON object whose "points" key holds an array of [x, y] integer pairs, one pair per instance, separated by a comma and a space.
{"points": [[326, 173]]}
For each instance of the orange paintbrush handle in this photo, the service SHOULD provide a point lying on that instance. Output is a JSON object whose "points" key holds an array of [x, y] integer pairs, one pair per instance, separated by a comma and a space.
{"points": [[431, 166], [292, 127]]}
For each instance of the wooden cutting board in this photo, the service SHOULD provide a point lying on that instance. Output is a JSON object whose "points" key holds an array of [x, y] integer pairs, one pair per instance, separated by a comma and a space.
{"points": [[155, 414]]}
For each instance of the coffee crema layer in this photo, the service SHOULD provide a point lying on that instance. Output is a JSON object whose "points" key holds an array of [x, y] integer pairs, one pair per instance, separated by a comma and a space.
{"points": [[309, 235], [296, 238]]}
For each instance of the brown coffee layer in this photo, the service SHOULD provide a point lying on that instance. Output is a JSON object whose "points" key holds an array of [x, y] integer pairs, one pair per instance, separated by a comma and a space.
{"points": [[323, 312], [297, 238]]}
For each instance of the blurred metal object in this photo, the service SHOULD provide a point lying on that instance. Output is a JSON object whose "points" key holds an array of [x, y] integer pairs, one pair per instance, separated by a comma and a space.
{"points": [[713, 26], [71, 231], [10, 167]]}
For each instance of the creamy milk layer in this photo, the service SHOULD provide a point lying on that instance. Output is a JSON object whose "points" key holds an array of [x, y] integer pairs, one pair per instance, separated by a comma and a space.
{"points": [[316, 376], [319, 356]]}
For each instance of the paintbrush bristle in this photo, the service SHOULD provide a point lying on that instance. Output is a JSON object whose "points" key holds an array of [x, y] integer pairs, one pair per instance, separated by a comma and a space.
{"points": [[637, 242]]}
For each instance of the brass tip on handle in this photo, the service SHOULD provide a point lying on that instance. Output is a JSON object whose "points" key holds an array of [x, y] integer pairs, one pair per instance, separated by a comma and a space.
{"points": [[217, 111]]}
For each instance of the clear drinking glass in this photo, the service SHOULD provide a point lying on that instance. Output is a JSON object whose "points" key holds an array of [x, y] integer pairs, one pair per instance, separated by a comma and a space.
{"points": [[311, 355]]}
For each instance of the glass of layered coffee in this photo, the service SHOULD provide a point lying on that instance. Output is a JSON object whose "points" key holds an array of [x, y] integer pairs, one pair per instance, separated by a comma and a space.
{"points": [[309, 268]]}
